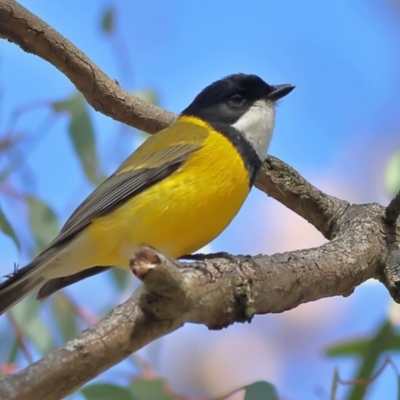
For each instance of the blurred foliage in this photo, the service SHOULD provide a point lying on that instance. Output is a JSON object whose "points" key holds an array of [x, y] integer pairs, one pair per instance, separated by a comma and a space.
{"points": [[82, 135], [108, 20], [156, 389], [392, 173], [65, 312], [369, 351], [35, 334], [42, 216], [26, 315], [6, 227], [147, 95], [260, 390], [148, 389], [107, 391]]}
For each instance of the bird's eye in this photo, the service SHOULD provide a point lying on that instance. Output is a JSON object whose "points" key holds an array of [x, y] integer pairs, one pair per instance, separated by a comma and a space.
{"points": [[236, 100]]}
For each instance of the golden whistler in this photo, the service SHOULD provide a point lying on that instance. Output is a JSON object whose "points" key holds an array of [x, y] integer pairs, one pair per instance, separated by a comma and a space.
{"points": [[177, 192]]}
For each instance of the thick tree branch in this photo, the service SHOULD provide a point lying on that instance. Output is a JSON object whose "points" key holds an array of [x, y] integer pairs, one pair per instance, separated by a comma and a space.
{"points": [[216, 292], [284, 184]]}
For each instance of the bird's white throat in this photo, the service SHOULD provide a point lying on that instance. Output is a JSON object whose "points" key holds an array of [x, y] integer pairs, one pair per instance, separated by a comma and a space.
{"points": [[257, 125]]}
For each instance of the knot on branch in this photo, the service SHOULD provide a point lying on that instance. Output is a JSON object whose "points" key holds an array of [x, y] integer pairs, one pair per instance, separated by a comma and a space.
{"points": [[165, 293], [216, 290], [244, 303]]}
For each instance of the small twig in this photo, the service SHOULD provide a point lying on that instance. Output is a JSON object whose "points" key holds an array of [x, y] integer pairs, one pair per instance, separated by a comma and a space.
{"points": [[225, 396], [364, 382]]}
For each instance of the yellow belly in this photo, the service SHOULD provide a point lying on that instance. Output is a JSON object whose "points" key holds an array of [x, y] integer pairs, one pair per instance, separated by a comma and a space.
{"points": [[178, 215]]}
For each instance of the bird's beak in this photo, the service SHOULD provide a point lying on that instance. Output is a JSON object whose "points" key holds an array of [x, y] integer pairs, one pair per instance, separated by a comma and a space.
{"points": [[279, 91]]}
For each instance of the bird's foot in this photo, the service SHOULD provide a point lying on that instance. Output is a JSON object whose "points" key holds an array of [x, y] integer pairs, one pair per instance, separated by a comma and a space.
{"points": [[210, 256]]}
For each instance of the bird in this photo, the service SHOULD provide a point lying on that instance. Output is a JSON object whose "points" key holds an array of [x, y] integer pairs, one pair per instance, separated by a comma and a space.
{"points": [[176, 192]]}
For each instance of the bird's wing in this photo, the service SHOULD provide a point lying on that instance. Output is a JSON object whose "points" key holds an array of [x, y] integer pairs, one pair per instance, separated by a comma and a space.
{"points": [[117, 189], [149, 164], [53, 285], [122, 186]]}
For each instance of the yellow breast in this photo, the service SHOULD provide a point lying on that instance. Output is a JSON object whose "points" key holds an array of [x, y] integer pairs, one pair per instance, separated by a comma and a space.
{"points": [[180, 214]]}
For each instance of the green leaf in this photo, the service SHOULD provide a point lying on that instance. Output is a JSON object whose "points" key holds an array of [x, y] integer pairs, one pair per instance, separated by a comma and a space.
{"points": [[150, 389], [43, 222], [355, 347], [26, 315], [65, 314], [106, 391], [370, 352], [82, 135], [14, 352], [392, 174], [108, 20], [398, 387], [151, 97], [147, 95], [360, 347], [260, 390], [8, 230], [121, 277]]}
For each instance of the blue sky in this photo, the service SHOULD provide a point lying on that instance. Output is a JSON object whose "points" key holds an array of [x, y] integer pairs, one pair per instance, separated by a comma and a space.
{"points": [[337, 128]]}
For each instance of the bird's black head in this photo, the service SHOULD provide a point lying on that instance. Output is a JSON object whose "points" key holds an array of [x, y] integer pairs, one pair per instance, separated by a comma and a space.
{"points": [[227, 100]]}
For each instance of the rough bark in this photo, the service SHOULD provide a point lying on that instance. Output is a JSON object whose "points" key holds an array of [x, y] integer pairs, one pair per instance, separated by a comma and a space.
{"points": [[217, 291]]}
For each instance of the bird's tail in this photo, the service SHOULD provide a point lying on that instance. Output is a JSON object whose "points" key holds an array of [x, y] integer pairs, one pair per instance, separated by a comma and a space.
{"points": [[21, 283]]}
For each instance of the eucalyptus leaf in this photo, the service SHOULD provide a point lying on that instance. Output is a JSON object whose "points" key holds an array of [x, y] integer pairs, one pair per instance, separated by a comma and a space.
{"points": [[8, 230], [369, 352], [355, 347], [82, 135], [43, 221], [392, 173], [148, 95], [65, 314], [26, 314], [260, 390], [106, 391], [108, 20], [150, 389], [121, 277]]}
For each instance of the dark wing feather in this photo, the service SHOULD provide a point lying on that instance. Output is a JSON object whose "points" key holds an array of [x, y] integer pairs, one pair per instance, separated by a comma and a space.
{"points": [[53, 285], [122, 186], [117, 189]]}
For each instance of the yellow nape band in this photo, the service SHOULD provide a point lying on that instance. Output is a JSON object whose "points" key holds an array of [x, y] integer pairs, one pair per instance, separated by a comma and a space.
{"points": [[195, 120]]}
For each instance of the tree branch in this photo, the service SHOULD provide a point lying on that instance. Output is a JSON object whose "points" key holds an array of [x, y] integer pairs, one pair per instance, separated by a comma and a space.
{"points": [[284, 184], [215, 292], [33, 35]]}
